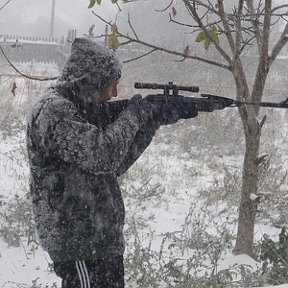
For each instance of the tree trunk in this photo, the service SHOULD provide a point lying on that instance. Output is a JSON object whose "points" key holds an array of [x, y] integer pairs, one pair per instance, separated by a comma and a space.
{"points": [[248, 204]]}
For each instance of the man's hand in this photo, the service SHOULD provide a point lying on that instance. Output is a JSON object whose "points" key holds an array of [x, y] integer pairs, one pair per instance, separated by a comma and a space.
{"points": [[169, 111], [145, 109]]}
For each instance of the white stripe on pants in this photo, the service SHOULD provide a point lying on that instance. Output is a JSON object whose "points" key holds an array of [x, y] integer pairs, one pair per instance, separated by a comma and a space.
{"points": [[83, 274]]}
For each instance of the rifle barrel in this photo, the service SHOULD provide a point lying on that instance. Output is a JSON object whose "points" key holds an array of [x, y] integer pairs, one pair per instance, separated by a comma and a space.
{"points": [[268, 104]]}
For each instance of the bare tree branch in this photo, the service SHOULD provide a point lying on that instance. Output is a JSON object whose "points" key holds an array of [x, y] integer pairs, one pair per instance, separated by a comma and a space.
{"points": [[131, 27], [249, 15], [5, 5], [255, 22], [166, 8], [181, 24], [194, 14], [210, 7], [190, 25], [247, 42], [279, 7], [123, 43], [168, 51], [238, 34], [235, 46], [262, 69], [23, 74], [266, 28], [279, 45], [226, 25], [137, 58]]}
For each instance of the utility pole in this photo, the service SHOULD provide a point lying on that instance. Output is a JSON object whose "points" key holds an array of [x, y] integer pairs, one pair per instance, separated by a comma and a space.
{"points": [[52, 20]]}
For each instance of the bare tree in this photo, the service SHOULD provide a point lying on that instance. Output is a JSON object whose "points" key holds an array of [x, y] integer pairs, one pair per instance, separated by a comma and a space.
{"points": [[231, 28]]}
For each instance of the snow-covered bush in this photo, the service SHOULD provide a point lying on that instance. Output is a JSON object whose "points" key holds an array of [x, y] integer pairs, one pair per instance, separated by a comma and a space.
{"points": [[17, 222], [274, 257]]}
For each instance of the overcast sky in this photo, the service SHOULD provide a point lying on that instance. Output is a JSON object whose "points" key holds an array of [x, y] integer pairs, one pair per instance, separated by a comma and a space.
{"points": [[32, 17]]}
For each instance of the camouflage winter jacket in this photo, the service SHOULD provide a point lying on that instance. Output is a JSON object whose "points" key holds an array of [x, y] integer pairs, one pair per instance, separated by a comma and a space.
{"points": [[77, 203]]}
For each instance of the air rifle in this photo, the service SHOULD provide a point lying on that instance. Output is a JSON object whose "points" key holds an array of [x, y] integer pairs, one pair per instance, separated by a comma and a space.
{"points": [[205, 103]]}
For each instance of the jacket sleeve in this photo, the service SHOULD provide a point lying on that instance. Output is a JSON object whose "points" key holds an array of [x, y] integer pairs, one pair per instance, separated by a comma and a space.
{"points": [[142, 139], [90, 147]]}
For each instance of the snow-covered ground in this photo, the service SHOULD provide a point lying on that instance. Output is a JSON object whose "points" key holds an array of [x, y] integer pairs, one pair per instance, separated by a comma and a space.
{"points": [[26, 266], [161, 193]]}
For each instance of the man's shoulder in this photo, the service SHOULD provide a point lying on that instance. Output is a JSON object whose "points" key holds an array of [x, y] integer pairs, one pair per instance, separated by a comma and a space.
{"points": [[52, 104], [54, 99]]}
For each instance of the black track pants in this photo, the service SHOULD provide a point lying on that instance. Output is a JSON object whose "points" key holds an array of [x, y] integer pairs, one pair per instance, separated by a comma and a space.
{"points": [[108, 273]]}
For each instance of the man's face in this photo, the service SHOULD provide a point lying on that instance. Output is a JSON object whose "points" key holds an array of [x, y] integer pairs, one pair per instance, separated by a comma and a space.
{"points": [[109, 92]]}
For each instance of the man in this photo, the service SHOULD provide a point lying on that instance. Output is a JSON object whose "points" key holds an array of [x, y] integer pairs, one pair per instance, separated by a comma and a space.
{"points": [[78, 144]]}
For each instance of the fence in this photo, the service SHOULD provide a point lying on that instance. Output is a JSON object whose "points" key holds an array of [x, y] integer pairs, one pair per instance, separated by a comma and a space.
{"points": [[38, 51], [34, 39]]}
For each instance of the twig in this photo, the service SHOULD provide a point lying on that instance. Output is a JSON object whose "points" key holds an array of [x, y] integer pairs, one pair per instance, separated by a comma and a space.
{"points": [[246, 43], [25, 251], [125, 43], [168, 51], [248, 15], [45, 256], [15, 283], [23, 74], [279, 7], [137, 58], [226, 26], [190, 25], [5, 4], [283, 40], [210, 7], [255, 22], [166, 8], [192, 10], [238, 33], [132, 28]]}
